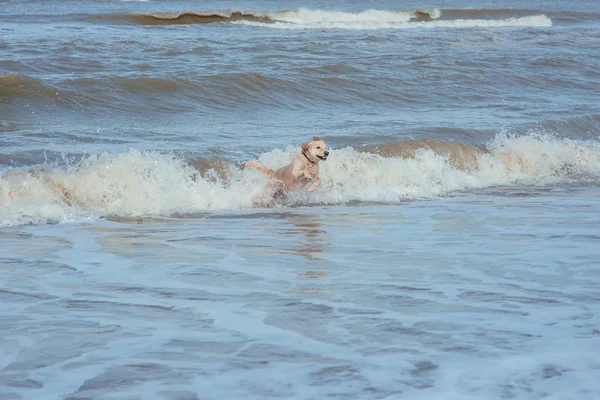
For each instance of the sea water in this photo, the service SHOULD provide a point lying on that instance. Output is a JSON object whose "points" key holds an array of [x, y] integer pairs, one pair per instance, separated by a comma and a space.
{"points": [[450, 252]]}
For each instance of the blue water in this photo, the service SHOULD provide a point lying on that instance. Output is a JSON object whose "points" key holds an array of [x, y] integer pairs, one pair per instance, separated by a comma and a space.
{"points": [[475, 296], [451, 251]]}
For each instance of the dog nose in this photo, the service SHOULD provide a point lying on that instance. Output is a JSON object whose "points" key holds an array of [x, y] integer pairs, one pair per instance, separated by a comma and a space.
{"points": [[326, 153]]}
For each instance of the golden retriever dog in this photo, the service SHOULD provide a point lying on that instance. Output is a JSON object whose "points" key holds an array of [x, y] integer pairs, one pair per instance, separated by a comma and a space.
{"points": [[303, 169]]}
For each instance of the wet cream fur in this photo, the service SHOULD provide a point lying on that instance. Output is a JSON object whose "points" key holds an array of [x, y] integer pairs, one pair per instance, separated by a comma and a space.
{"points": [[302, 170]]}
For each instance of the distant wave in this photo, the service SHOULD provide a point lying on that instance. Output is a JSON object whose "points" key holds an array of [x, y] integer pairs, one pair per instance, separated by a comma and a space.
{"points": [[303, 86], [135, 184], [212, 91], [16, 86], [189, 17], [368, 19], [124, 93]]}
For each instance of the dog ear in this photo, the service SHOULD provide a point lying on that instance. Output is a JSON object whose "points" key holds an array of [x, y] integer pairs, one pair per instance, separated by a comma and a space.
{"points": [[316, 138], [305, 146]]}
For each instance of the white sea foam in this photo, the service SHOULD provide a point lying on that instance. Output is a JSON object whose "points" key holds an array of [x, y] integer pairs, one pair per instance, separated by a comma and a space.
{"points": [[306, 16], [135, 184], [376, 19]]}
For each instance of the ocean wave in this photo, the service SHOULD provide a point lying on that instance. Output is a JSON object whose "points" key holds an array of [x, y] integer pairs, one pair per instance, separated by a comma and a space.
{"points": [[576, 16], [530, 22], [158, 93], [368, 19], [16, 86], [177, 94], [136, 184], [189, 17], [488, 13]]}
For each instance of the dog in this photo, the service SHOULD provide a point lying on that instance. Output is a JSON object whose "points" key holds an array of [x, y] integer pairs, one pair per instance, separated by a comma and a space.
{"points": [[303, 169]]}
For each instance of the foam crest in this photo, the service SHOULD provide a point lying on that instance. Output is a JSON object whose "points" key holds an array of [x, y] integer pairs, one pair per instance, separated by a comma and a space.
{"points": [[301, 16], [127, 185], [539, 156], [374, 19], [135, 184], [306, 16]]}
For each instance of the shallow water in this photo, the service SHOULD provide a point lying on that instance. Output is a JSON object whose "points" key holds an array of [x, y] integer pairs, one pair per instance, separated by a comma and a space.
{"points": [[477, 296], [451, 251]]}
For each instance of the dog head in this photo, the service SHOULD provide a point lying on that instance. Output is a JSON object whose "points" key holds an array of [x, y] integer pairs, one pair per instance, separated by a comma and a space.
{"points": [[315, 150]]}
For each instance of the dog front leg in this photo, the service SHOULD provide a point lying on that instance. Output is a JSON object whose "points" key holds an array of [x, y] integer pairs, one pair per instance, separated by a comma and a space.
{"points": [[315, 184]]}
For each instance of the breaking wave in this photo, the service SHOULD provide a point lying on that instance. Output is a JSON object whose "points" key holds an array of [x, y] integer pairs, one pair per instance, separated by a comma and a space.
{"points": [[137, 184], [368, 19]]}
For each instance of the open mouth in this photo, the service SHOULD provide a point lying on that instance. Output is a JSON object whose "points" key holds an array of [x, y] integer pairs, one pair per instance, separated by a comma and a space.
{"points": [[322, 157]]}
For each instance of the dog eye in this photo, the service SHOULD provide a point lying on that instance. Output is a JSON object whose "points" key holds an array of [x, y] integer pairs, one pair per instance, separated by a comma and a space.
{"points": [[318, 147]]}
